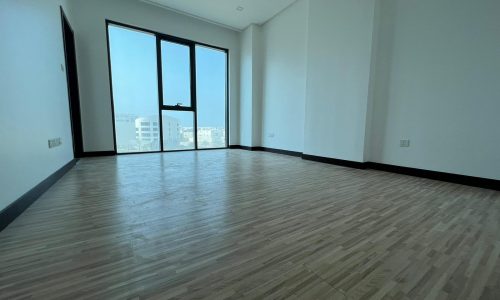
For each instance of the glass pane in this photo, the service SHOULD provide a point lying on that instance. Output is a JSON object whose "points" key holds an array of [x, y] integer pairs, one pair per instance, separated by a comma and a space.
{"points": [[135, 89], [211, 97], [178, 130], [176, 74]]}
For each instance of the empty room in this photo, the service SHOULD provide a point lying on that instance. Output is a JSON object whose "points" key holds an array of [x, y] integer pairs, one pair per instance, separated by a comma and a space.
{"points": [[250, 149]]}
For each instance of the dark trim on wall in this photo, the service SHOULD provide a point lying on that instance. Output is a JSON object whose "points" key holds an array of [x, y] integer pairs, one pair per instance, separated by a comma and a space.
{"points": [[272, 150], [434, 175], [99, 153], [248, 148], [279, 151], [16, 208], [335, 161]]}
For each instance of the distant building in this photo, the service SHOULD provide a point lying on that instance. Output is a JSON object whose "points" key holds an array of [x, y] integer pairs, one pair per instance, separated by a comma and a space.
{"points": [[205, 136], [125, 131], [143, 134], [147, 133], [171, 132], [211, 137]]}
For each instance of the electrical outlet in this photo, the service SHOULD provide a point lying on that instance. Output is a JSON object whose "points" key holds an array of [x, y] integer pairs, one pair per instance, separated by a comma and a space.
{"points": [[54, 143], [62, 68], [404, 143], [271, 135]]}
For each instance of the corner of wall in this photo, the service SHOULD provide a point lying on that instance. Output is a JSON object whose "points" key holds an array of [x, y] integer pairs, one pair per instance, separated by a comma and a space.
{"points": [[257, 81], [250, 86], [371, 87]]}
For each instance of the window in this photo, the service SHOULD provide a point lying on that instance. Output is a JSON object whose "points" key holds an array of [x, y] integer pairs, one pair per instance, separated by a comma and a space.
{"points": [[176, 74], [168, 93], [211, 95], [135, 87]]}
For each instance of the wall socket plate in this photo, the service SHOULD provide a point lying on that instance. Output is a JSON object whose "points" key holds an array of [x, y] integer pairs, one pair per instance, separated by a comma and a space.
{"points": [[404, 143], [54, 143]]}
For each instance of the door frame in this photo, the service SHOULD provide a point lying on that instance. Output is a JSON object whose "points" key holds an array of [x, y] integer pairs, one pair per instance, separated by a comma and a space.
{"points": [[192, 45], [71, 71]]}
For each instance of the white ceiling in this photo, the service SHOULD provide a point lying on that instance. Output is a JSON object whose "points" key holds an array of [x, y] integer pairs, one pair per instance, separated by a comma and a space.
{"points": [[225, 12]]}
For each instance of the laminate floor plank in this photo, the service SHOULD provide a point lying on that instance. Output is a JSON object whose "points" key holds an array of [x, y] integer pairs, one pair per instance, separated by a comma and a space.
{"points": [[232, 224]]}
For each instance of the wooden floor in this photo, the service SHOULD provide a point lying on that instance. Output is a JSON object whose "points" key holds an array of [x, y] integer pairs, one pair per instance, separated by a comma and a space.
{"points": [[250, 225]]}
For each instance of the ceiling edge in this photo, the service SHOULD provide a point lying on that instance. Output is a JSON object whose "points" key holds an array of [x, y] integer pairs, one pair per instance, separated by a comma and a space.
{"points": [[191, 15], [279, 12]]}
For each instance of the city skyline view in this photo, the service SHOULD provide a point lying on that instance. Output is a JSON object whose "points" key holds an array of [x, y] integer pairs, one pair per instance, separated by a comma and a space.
{"points": [[141, 134]]}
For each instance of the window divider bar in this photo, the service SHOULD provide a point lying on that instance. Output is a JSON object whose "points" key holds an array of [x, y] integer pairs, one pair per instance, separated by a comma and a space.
{"points": [[160, 90], [177, 108], [194, 99]]}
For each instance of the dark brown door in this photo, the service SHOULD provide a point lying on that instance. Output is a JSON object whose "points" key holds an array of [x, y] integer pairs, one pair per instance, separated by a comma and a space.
{"points": [[73, 90]]}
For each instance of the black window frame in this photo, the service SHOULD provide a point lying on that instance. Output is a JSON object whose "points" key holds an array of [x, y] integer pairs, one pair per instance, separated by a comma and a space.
{"points": [[192, 77], [193, 108]]}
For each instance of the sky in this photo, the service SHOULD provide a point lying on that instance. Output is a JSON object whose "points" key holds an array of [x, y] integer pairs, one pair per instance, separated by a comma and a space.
{"points": [[135, 83]]}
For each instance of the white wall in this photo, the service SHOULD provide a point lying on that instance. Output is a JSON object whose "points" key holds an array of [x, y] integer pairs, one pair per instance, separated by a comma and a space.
{"points": [[93, 62], [438, 84], [33, 96], [371, 73], [284, 62], [250, 86], [246, 87], [339, 57]]}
